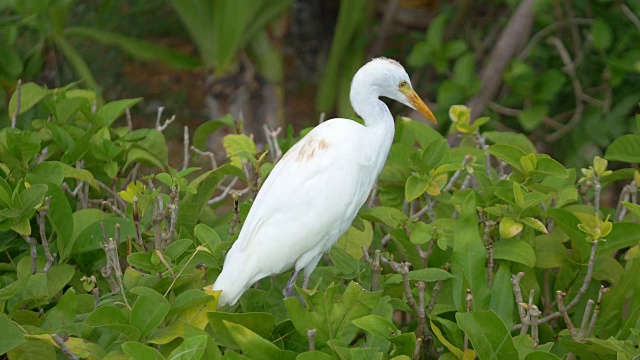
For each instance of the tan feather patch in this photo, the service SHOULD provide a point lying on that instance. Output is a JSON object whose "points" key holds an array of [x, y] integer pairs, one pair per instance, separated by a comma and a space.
{"points": [[310, 148]]}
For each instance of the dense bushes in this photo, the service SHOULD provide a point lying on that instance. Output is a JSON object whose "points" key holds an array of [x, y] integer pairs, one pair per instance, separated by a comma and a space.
{"points": [[486, 249]]}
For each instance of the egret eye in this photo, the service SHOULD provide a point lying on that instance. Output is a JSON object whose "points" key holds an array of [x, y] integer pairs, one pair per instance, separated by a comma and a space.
{"points": [[403, 84]]}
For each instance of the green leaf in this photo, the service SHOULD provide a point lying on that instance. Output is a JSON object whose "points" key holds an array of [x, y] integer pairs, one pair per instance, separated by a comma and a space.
{"points": [[502, 299], [191, 348], [201, 135], [468, 259], [58, 277], [255, 346], [140, 49], [261, 324], [177, 248], [384, 214], [606, 268], [509, 228], [188, 299], [433, 154], [207, 237], [110, 112], [415, 187], [530, 118], [239, 147], [426, 275], [634, 209], [514, 139], [534, 224], [550, 252], [332, 317], [548, 166], [142, 261], [623, 234], [141, 351], [509, 154], [540, 355], [11, 335], [79, 65], [494, 344], [148, 310], [602, 34], [110, 317], [376, 325], [625, 148], [354, 239], [30, 95], [516, 250]]}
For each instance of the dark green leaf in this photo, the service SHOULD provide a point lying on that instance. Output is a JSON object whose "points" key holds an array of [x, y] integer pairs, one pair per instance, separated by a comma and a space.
{"points": [[494, 344], [11, 335]]}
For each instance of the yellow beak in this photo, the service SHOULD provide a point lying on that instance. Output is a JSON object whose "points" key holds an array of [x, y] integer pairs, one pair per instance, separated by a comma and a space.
{"points": [[419, 105]]}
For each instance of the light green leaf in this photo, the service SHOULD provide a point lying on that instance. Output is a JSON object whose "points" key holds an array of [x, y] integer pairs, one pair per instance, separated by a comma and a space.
{"points": [[30, 95], [516, 250], [468, 259], [191, 348], [625, 148]]}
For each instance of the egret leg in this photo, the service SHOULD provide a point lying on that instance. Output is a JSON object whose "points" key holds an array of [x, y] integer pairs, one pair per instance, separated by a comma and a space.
{"points": [[288, 290]]}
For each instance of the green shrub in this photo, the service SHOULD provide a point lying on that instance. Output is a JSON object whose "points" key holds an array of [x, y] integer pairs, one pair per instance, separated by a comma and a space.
{"points": [[492, 251]]}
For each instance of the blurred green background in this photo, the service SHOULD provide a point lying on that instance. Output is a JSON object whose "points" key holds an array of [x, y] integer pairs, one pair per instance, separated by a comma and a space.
{"points": [[564, 72]]}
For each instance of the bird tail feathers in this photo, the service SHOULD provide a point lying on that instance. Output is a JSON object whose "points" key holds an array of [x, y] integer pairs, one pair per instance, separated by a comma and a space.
{"points": [[234, 280]]}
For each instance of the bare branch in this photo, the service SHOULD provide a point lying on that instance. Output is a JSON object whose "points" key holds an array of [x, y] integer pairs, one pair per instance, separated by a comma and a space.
{"points": [[209, 154]]}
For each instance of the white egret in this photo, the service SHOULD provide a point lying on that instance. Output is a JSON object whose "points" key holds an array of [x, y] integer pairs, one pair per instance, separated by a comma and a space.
{"points": [[313, 194]]}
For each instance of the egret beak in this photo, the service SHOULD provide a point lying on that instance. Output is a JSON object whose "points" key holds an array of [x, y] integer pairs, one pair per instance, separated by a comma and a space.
{"points": [[419, 105]]}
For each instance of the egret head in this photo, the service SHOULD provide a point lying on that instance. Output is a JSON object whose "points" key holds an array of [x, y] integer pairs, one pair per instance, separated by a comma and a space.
{"points": [[386, 77]]}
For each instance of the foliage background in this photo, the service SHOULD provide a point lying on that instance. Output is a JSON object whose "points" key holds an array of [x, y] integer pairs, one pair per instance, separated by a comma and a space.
{"points": [[555, 77]]}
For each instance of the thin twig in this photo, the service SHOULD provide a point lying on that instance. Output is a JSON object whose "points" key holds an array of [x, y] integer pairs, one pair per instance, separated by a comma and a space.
{"points": [[490, 265], [535, 313], [272, 140], [14, 117], [563, 311], [517, 292], [127, 117], [224, 193], [311, 335], [417, 349], [209, 154], [634, 19], [185, 148], [33, 252], [136, 223], [63, 347], [596, 311], [42, 215], [585, 318], [570, 70], [456, 174]]}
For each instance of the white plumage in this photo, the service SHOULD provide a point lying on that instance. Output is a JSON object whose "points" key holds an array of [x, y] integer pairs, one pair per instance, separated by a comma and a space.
{"points": [[313, 194]]}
